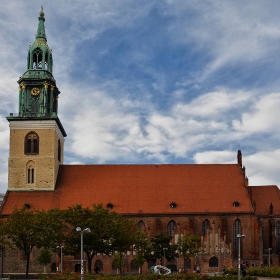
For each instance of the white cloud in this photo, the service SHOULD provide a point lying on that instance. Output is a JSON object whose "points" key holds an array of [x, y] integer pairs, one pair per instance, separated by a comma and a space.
{"points": [[263, 116], [173, 92]]}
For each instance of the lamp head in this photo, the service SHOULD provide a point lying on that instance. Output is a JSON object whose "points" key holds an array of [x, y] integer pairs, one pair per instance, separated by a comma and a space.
{"points": [[78, 229], [87, 230]]}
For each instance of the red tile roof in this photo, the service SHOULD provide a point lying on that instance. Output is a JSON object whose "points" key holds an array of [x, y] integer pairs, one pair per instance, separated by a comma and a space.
{"points": [[263, 197], [133, 189]]}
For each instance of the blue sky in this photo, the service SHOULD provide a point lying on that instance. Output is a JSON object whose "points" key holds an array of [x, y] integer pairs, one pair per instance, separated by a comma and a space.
{"points": [[155, 81]]}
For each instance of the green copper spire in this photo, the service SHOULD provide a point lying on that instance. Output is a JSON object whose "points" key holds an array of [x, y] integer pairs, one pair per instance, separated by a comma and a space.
{"points": [[38, 93], [41, 27]]}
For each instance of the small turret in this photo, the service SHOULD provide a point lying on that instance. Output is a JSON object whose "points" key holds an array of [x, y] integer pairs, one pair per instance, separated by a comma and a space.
{"points": [[239, 158]]}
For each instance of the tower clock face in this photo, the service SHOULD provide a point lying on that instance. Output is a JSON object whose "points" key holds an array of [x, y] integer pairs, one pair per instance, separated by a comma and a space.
{"points": [[35, 91]]}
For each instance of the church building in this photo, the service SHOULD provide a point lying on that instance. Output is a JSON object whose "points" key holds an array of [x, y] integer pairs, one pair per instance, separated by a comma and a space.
{"points": [[212, 201]]}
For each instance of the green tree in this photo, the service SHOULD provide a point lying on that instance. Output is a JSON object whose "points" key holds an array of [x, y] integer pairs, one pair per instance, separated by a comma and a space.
{"points": [[118, 261], [123, 236], [140, 246], [99, 220], [160, 248], [24, 229], [44, 258], [54, 229], [188, 245]]}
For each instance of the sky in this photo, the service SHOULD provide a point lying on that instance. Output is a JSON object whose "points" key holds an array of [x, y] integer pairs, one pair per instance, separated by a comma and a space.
{"points": [[163, 81]]}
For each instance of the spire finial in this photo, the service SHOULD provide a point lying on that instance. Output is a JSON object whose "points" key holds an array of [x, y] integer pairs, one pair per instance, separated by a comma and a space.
{"points": [[41, 28], [42, 12]]}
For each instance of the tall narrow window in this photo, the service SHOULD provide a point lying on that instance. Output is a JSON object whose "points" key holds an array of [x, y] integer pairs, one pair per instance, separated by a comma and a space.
{"points": [[31, 143], [141, 225], [277, 235], [59, 151], [171, 228], [30, 172], [205, 226], [236, 230]]}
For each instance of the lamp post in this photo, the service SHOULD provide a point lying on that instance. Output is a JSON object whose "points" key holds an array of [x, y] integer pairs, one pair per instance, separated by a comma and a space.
{"points": [[60, 247], [269, 250], [239, 236], [78, 229], [219, 250]]}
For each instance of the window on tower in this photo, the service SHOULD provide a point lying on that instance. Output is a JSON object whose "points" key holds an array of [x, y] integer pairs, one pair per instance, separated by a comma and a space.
{"points": [[31, 143], [59, 151], [30, 172]]}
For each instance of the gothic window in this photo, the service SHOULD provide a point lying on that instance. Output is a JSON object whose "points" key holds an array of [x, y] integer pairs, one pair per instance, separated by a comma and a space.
{"points": [[171, 228], [30, 176], [236, 230], [141, 225], [37, 57], [59, 151], [205, 226], [133, 265], [277, 235], [213, 262], [98, 266], [187, 263], [31, 145]]}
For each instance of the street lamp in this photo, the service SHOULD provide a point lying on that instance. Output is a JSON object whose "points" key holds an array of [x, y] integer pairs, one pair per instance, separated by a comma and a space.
{"points": [[269, 250], [78, 229], [239, 236], [60, 247]]}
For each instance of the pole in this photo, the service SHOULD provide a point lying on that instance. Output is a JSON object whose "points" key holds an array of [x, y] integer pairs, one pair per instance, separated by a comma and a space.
{"points": [[61, 259], [239, 237], [269, 256], [82, 257], [219, 261]]}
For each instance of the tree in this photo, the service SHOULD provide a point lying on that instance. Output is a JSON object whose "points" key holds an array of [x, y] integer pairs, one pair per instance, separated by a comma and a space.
{"points": [[160, 248], [123, 236], [118, 262], [140, 246], [54, 229], [44, 258], [99, 220], [24, 229], [188, 245]]}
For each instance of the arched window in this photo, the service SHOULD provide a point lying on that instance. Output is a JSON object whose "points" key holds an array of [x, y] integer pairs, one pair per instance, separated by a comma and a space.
{"points": [[98, 266], [213, 262], [171, 228], [141, 225], [133, 266], [30, 172], [31, 145], [59, 151], [205, 226], [277, 235], [37, 57], [53, 267], [236, 230], [187, 263]]}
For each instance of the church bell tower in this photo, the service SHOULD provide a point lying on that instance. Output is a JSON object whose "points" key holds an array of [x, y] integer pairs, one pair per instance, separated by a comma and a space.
{"points": [[36, 133]]}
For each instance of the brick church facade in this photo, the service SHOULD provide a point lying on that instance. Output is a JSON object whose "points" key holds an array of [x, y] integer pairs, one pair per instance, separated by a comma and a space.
{"points": [[212, 201]]}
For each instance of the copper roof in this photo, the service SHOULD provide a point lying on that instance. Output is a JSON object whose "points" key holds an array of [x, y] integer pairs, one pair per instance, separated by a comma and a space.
{"points": [[146, 189]]}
